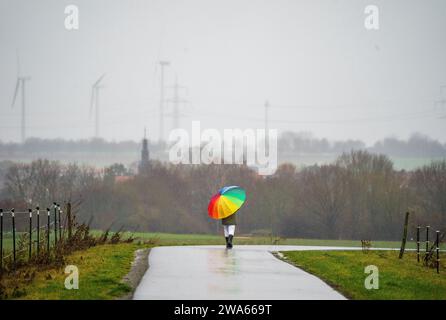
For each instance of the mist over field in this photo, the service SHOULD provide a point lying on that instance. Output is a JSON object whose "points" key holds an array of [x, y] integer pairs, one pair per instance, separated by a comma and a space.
{"points": [[90, 92], [315, 63]]}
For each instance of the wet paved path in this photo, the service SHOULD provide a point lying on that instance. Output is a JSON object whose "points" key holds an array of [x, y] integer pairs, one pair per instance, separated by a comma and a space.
{"points": [[245, 272]]}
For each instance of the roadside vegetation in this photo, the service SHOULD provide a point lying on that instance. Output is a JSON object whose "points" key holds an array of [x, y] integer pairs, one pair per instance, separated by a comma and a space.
{"points": [[40, 271], [101, 270], [398, 278]]}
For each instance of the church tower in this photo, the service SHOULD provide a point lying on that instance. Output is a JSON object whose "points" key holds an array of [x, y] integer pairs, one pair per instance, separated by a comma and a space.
{"points": [[144, 163]]}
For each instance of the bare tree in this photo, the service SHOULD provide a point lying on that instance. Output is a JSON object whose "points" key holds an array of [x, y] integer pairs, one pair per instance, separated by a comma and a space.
{"points": [[325, 195]]}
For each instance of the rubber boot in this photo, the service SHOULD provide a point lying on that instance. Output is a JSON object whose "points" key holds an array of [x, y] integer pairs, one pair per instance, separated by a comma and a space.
{"points": [[229, 246]]}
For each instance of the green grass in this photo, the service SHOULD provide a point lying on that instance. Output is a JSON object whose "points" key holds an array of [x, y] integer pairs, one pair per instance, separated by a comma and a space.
{"points": [[398, 279], [101, 270], [8, 242], [168, 239]]}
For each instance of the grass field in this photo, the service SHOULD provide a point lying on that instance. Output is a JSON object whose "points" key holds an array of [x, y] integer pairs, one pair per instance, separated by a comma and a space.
{"points": [[207, 239], [168, 239], [101, 270], [398, 279]]}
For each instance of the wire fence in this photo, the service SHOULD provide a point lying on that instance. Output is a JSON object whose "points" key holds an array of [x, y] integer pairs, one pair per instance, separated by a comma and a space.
{"points": [[33, 231], [432, 251]]}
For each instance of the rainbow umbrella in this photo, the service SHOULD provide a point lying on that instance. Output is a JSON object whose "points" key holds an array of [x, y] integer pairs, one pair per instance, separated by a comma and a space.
{"points": [[226, 202]]}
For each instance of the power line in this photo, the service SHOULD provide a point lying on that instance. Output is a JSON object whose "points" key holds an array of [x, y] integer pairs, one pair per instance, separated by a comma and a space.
{"points": [[394, 117], [267, 106], [266, 120], [161, 128], [176, 100]]}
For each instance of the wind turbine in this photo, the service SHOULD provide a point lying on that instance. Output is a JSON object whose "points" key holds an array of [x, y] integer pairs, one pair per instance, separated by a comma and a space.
{"points": [[442, 101], [20, 84], [163, 65], [94, 102]]}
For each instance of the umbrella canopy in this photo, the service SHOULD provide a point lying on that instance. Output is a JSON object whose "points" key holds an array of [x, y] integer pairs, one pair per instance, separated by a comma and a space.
{"points": [[226, 202]]}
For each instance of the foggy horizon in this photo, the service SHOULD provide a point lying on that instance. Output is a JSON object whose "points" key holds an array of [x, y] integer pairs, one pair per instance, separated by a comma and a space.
{"points": [[319, 68], [231, 151]]}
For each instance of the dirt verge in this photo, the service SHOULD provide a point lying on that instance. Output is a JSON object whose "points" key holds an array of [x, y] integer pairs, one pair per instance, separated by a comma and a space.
{"points": [[137, 271]]}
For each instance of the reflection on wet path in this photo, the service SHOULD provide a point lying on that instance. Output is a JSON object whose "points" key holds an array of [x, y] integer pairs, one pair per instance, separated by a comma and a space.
{"points": [[213, 272], [223, 263]]}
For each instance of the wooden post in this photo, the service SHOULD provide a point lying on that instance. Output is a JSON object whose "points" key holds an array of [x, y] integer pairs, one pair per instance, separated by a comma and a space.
{"points": [[55, 224], [48, 231], [438, 251], [13, 236], [38, 230], [69, 220], [427, 244], [30, 211], [1, 239], [403, 243], [60, 222], [418, 244]]}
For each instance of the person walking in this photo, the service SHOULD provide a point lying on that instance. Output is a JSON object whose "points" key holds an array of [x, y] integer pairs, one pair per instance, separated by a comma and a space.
{"points": [[229, 229], [225, 206]]}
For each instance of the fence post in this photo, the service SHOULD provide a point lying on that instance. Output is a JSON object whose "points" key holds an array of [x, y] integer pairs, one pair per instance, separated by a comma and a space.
{"points": [[38, 229], [13, 236], [30, 233], [427, 244], [403, 242], [55, 224], [60, 222], [418, 244], [48, 231], [438, 251], [1, 239], [69, 220]]}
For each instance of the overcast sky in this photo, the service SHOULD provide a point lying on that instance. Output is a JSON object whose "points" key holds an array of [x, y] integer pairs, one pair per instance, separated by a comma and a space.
{"points": [[321, 70]]}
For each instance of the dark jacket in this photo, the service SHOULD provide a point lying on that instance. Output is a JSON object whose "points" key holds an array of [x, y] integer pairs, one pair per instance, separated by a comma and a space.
{"points": [[231, 220]]}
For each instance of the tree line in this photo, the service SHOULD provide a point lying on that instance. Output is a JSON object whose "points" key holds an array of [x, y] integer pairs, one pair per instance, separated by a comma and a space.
{"points": [[358, 196], [417, 145]]}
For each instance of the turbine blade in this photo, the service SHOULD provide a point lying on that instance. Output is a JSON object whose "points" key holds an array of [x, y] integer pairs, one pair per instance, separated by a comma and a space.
{"points": [[18, 62], [15, 92], [92, 100], [99, 80]]}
